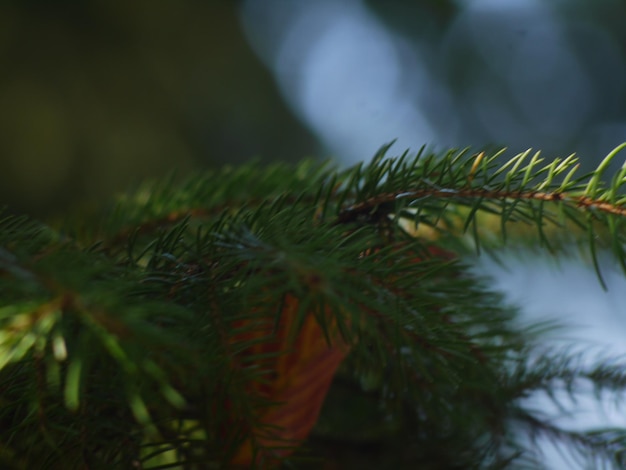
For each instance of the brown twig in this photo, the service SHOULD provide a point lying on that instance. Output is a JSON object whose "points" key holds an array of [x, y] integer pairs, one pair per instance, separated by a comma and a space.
{"points": [[368, 206]]}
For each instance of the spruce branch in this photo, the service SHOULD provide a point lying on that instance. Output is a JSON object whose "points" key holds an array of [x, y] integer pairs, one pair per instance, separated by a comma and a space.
{"points": [[213, 323]]}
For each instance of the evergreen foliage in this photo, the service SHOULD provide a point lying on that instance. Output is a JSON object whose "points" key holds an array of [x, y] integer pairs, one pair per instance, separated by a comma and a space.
{"points": [[199, 324]]}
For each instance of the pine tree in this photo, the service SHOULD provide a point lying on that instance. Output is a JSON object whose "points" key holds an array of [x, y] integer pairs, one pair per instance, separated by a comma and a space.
{"points": [[294, 316]]}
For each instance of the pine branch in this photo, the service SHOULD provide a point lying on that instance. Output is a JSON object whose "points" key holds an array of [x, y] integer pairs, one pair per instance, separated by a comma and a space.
{"points": [[201, 324]]}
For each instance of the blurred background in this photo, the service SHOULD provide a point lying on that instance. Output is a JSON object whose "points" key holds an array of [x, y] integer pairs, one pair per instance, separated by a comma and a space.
{"points": [[97, 95]]}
